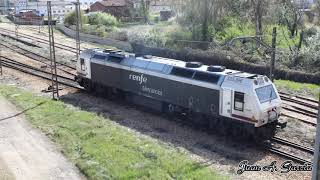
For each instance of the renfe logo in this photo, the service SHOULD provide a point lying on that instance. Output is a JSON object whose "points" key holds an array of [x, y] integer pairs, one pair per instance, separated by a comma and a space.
{"points": [[141, 79]]}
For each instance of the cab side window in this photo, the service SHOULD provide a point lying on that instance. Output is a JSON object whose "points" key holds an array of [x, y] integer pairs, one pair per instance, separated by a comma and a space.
{"points": [[82, 64], [238, 101]]}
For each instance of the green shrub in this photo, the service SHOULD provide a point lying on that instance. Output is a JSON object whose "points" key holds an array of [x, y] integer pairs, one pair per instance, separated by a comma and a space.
{"points": [[101, 31], [310, 32], [311, 52], [71, 18], [232, 27], [103, 19]]}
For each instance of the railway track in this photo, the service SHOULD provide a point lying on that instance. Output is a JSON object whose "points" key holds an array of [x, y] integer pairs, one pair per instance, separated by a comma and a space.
{"points": [[309, 105], [301, 111], [12, 64], [38, 39], [294, 145], [39, 58], [306, 108], [299, 97], [287, 155], [300, 119]]}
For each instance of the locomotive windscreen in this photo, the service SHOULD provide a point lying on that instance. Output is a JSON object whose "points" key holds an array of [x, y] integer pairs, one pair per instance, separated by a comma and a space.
{"points": [[266, 93]]}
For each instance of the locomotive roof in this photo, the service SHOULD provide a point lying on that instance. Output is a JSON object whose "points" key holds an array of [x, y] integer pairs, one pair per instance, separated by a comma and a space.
{"points": [[128, 59]]}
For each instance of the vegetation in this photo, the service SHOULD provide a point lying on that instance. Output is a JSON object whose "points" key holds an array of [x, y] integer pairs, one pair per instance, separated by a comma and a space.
{"points": [[101, 148], [220, 21], [71, 18], [162, 35], [96, 23], [144, 9], [103, 19], [311, 90]]}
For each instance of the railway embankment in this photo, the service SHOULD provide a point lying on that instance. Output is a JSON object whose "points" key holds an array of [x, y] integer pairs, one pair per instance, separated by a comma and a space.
{"points": [[101, 148]]}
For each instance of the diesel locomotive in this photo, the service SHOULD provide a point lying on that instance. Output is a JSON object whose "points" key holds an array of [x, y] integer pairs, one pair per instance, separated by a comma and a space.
{"points": [[223, 99]]}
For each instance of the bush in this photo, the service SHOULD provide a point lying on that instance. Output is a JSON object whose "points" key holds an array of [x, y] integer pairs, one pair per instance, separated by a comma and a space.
{"points": [[231, 27], [310, 32], [101, 31], [71, 18], [97, 30], [103, 19], [311, 52]]}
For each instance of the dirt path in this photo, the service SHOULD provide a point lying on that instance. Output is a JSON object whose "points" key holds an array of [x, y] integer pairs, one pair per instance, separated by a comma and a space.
{"points": [[25, 153]]}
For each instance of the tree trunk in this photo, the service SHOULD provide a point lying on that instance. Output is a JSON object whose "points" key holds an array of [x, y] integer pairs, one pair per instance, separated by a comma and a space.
{"points": [[145, 10], [258, 17], [294, 26], [205, 21]]}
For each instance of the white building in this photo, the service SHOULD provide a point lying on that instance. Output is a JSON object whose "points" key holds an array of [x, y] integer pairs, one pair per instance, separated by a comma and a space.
{"points": [[59, 8]]}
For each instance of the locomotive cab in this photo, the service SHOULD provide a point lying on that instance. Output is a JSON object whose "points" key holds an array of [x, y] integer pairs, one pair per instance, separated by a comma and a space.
{"points": [[250, 98]]}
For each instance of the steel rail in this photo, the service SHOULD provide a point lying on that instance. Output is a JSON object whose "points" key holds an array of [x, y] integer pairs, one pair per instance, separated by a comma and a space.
{"points": [[293, 144], [301, 111], [37, 38], [12, 62], [303, 120], [315, 107], [40, 40], [37, 57], [69, 84], [300, 97], [288, 156]]}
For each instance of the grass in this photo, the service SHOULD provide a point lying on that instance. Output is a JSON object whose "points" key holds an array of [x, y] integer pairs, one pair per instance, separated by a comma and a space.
{"points": [[312, 90], [102, 149]]}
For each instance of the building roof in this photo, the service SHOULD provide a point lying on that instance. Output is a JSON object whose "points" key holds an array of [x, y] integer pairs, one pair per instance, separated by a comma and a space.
{"points": [[114, 3]]}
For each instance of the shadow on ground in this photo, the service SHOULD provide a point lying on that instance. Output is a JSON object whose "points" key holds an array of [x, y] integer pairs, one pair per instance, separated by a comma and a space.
{"points": [[215, 149]]}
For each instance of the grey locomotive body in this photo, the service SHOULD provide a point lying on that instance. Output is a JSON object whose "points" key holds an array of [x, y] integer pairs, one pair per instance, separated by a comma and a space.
{"points": [[207, 94]]}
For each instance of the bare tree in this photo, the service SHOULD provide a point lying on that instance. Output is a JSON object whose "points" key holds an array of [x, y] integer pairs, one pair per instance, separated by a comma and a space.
{"points": [[318, 10], [145, 6], [291, 16], [259, 9], [202, 15]]}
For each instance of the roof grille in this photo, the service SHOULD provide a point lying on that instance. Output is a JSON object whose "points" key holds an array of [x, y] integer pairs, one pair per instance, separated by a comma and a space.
{"points": [[107, 50], [117, 55], [216, 68], [193, 64]]}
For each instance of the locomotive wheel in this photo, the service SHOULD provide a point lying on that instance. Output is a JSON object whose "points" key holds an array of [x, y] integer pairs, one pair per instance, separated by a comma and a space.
{"points": [[266, 132], [88, 85]]}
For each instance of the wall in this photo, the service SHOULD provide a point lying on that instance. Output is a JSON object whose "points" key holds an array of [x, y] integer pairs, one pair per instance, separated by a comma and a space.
{"points": [[95, 39]]}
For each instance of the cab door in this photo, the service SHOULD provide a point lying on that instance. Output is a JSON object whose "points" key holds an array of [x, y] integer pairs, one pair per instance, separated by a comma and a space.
{"points": [[226, 105]]}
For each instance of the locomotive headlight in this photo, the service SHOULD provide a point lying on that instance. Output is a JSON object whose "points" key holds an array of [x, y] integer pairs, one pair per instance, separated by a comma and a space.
{"points": [[272, 115]]}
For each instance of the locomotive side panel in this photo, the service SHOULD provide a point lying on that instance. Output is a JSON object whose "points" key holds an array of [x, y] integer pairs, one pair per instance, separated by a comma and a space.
{"points": [[204, 100], [105, 75], [196, 98]]}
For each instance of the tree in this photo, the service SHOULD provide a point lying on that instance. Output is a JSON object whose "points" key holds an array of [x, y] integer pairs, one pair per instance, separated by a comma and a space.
{"points": [[202, 16], [318, 10], [260, 8], [290, 15], [144, 8]]}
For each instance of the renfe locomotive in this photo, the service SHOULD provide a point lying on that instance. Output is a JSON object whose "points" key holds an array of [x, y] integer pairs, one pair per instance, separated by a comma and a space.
{"points": [[232, 101]]}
